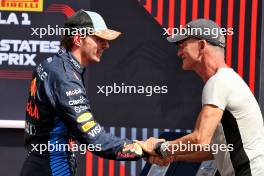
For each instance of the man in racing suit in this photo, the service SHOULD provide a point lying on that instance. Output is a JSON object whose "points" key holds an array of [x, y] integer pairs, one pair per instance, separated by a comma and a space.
{"points": [[58, 111]]}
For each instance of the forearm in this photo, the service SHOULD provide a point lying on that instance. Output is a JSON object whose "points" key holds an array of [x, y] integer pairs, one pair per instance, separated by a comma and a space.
{"points": [[201, 137], [194, 157], [184, 145], [115, 148]]}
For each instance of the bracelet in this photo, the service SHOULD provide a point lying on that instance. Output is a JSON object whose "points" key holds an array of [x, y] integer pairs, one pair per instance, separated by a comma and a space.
{"points": [[157, 148], [161, 148]]}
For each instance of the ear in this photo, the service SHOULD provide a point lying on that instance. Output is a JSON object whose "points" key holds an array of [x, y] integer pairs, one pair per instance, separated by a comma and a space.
{"points": [[77, 40], [202, 45]]}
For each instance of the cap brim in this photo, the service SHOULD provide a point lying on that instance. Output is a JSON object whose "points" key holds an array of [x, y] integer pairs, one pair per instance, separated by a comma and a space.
{"points": [[176, 38], [107, 34]]}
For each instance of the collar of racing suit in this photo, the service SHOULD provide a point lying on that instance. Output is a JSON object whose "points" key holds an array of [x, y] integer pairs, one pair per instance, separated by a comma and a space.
{"points": [[72, 60]]}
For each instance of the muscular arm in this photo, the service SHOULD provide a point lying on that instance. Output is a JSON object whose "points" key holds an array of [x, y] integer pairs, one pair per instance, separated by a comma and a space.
{"points": [[206, 124], [194, 157]]}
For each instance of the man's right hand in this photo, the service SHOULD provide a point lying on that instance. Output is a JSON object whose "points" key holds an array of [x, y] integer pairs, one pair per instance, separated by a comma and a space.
{"points": [[149, 145]]}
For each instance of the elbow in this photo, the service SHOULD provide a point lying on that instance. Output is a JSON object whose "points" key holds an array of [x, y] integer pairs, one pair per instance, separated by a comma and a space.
{"points": [[201, 139]]}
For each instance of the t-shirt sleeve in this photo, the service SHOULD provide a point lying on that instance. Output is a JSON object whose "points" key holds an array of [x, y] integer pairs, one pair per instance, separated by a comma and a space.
{"points": [[215, 92]]}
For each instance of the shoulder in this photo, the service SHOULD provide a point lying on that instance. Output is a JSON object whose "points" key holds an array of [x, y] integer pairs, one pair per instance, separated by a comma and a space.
{"points": [[218, 88], [56, 68], [222, 79]]}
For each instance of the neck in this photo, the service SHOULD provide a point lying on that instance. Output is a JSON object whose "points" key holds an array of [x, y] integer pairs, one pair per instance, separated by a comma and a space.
{"points": [[209, 69]]}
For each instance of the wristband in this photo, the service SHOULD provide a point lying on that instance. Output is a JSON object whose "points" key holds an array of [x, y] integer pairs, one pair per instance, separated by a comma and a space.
{"points": [[161, 148], [157, 148]]}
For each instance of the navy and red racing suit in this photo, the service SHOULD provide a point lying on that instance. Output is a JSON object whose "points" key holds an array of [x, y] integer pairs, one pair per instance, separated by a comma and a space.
{"points": [[58, 111]]}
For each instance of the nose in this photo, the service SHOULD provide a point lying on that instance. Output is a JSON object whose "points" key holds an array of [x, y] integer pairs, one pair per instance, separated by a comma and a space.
{"points": [[179, 53]]}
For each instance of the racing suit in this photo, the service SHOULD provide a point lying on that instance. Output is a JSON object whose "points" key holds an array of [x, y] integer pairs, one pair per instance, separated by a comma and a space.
{"points": [[57, 112]]}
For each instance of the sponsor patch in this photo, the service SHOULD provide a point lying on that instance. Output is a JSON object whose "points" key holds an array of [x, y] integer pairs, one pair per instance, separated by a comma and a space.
{"points": [[32, 110], [87, 126], [130, 151], [30, 128], [73, 92], [78, 101], [75, 63], [80, 108], [84, 117], [95, 131], [22, 5], [41, 73], [33, 88], [135, 148]]}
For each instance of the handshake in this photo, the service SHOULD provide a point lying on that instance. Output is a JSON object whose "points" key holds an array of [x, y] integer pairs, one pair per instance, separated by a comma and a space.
{"points": [[157, 151], [162, 153]]}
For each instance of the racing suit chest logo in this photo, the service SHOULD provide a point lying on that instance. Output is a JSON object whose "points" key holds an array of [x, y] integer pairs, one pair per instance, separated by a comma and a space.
{"points": [[32, 110], [73, 92], [78, 101]]}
